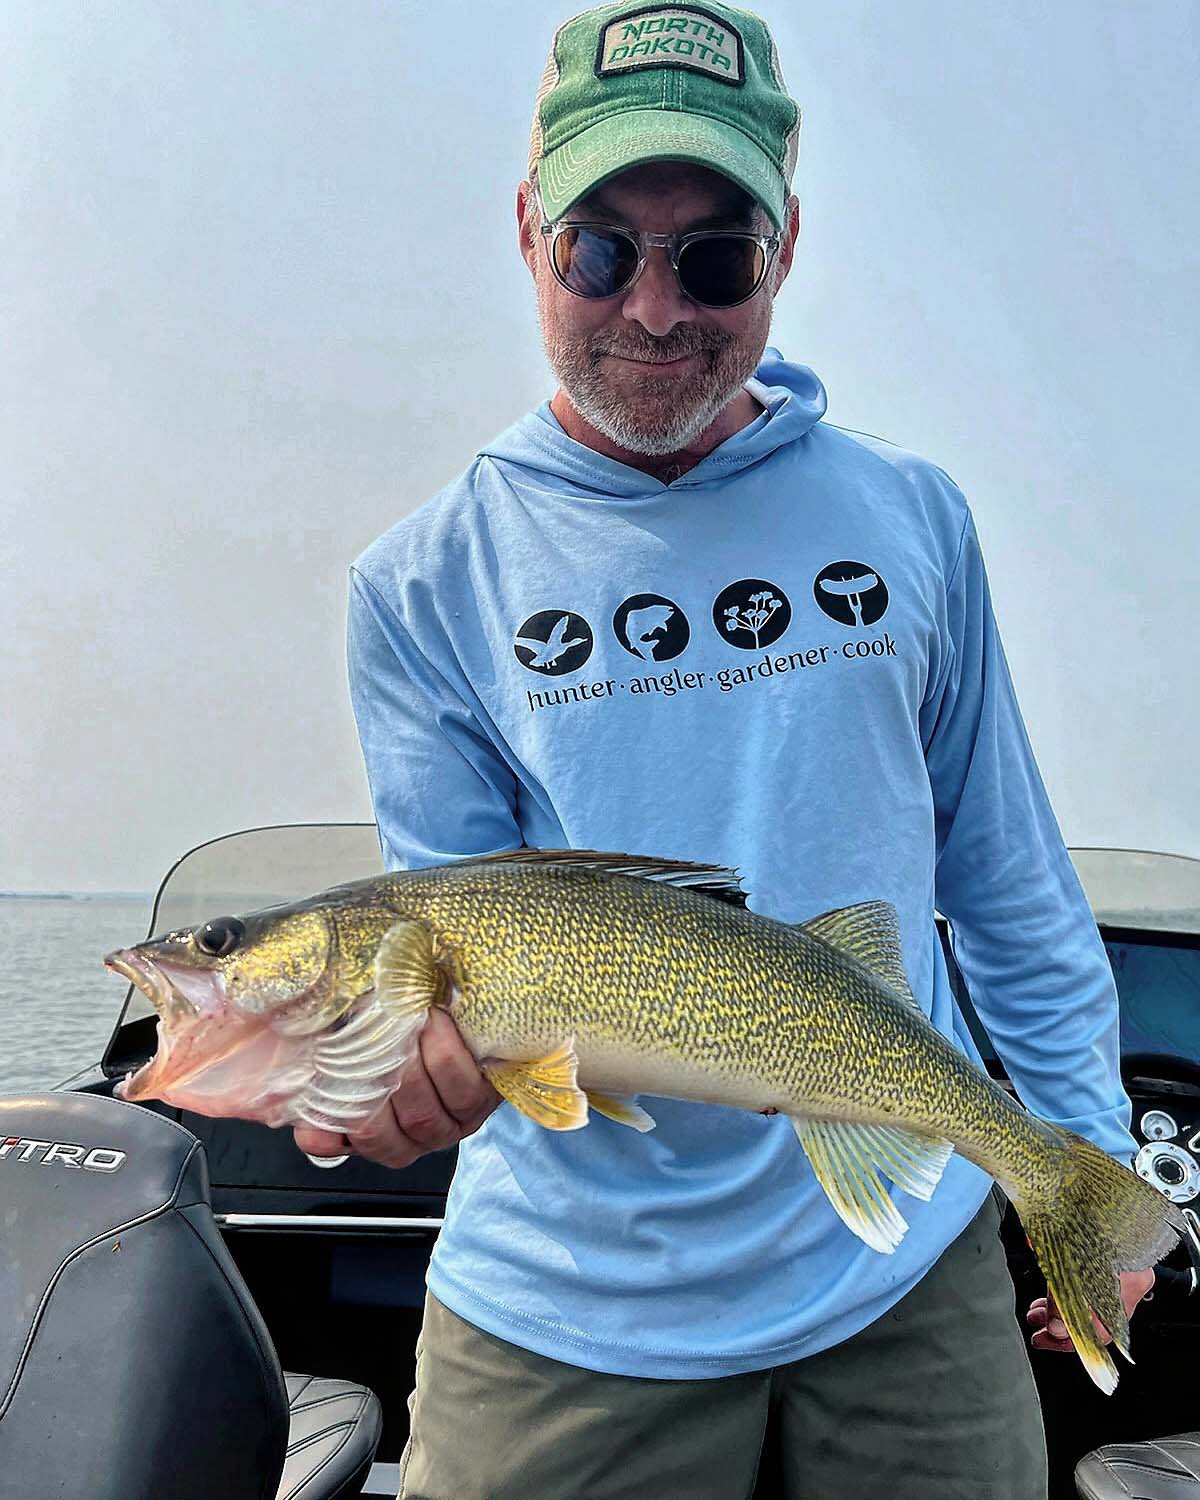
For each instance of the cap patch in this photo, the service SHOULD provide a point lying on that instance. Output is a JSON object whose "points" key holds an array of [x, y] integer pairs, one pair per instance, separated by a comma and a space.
{"points": [[672, 36]]}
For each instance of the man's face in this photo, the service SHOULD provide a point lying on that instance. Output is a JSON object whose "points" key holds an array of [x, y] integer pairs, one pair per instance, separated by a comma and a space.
{"points": [[649, 368]]}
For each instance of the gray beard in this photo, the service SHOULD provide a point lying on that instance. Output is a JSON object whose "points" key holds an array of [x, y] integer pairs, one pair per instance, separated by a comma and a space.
{"points": [[659, 427], [670, 412]]}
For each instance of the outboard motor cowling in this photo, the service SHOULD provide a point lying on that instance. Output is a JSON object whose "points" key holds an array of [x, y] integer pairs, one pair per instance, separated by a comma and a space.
{"points": [[133, 1363]]}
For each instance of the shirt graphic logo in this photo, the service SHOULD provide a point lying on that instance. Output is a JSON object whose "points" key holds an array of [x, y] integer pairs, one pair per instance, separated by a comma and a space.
{"points": [[752, 613], [851, 593], [654, 628], [553, 641], [672, 36]]}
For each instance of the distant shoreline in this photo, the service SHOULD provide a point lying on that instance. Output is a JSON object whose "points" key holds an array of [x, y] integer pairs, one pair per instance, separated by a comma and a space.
{"points": [[76, 895]]}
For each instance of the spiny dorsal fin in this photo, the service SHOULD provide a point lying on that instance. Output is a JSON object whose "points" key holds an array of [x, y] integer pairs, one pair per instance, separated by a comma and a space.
{"points": [[711, 880], [870, 934]]}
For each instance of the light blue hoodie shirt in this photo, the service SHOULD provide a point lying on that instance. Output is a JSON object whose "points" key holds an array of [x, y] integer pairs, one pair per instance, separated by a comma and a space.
{"points": [[559, 650]]}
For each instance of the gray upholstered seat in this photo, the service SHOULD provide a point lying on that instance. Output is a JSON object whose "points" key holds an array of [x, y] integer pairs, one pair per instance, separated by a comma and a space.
{"points": [[133, 1360], [333, 1432], [1168, 1469]]}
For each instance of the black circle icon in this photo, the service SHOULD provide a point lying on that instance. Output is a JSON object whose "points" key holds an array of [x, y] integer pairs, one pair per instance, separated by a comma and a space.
{"points": [[851, 593], [752, 613], [652, 627], [553, 641]]}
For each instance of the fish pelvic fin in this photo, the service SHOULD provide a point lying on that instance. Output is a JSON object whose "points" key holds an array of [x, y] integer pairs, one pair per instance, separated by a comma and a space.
{"points": [[545, 1089], [847, 1160], [869, 933], [621, 1108], [1093, 1220]]}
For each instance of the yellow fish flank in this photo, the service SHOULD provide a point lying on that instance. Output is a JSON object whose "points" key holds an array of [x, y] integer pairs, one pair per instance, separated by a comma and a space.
{"points": [[580, 980]]}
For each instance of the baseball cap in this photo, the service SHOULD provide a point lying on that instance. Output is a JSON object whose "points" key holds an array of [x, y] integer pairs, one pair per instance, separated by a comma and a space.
{"points": [[632, 83]]}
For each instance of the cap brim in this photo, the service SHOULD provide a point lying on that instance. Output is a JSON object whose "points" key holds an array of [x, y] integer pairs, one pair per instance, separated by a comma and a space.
{"points": [[644, 135]]}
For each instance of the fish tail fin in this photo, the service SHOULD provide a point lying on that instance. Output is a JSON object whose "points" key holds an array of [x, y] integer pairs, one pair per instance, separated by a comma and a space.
{"points": [[1096, 1219]]}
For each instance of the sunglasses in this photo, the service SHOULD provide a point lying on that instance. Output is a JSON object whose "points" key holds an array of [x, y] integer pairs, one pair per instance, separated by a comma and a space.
{"points": [[715, 267]]}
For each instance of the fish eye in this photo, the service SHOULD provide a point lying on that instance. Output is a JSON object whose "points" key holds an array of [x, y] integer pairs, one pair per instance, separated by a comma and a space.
{"points": [[220, 936]]}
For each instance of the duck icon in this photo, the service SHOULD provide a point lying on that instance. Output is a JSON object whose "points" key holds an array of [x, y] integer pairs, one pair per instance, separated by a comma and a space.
{"points": [[553, 641]]}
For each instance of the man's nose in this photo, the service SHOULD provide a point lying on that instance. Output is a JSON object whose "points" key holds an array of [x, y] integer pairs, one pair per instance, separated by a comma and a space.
{"points": [[655, 299]]}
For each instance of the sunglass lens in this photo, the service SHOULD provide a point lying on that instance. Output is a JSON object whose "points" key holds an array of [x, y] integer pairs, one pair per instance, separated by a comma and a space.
{"points": [[594, 262], [721, 269]]}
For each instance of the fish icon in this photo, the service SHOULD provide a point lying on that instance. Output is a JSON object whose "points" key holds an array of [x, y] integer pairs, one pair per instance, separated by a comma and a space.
{"points": [[642, 624], [547, 652]]}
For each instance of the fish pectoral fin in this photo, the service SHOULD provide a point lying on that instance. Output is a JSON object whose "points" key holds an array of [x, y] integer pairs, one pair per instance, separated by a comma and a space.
{"points": [[622, 1108], [544, 1088], [407, 975], [847, 1160], [869, 933]]}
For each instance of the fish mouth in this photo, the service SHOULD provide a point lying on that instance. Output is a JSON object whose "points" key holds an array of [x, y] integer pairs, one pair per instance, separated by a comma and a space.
{"points": [[197, 1028], [176, 991], [142, 974]]}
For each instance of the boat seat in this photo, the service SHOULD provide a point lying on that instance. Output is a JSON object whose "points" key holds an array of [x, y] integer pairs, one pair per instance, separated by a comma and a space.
{"points": [[1168, 1469], [133, 1360], [333, 1433]]}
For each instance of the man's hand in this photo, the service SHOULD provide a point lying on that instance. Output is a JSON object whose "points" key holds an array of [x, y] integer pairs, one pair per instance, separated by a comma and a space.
{"points": [[443, 1098], [1051, 1331]]}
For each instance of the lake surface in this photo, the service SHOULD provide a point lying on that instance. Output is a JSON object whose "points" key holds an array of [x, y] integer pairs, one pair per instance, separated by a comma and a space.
{"points": [[58, 1004]]}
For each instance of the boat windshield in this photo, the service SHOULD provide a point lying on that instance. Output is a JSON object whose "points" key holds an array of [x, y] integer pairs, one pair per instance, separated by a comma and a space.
{"points": [[1147, 906], [1136, 888]]}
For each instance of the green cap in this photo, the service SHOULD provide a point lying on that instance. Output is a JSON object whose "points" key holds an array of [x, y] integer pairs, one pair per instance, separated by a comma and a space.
{"points": [[626, 84]]}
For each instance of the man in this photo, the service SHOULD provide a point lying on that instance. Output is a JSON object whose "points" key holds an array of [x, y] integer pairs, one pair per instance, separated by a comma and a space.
{"points": [[673, 612]]}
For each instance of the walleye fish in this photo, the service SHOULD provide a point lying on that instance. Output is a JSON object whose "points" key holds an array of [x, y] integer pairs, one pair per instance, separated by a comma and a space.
{"points": [[581, 980]]}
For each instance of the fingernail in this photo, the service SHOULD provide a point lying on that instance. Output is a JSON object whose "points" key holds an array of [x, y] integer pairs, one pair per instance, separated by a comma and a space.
{"points": [[1056, 1329]]}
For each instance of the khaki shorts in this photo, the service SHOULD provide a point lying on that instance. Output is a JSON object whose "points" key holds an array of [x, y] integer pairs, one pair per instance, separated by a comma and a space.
{"points": [[934, 1401]]}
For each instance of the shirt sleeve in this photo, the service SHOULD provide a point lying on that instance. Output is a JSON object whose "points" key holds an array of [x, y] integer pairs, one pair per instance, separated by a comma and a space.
{"points": [[440, 788], [1024, 934]]}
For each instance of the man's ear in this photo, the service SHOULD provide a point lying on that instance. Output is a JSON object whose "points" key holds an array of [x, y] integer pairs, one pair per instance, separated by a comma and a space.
{"points": [[787, 249], [527, 224]]}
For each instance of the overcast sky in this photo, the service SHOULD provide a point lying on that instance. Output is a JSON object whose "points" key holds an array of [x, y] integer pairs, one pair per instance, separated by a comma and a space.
{"points": [[260, 296]]}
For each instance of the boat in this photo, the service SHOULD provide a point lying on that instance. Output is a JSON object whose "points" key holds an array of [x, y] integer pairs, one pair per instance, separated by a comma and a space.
{"points": [[262, 1345]]}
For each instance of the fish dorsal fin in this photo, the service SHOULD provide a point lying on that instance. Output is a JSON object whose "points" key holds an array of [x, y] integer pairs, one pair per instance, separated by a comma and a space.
{"points": [[711, 880], [870, 934]]}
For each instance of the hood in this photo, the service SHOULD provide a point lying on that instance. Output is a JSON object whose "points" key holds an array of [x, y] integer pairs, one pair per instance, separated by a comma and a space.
{"points": [[794, 399]]}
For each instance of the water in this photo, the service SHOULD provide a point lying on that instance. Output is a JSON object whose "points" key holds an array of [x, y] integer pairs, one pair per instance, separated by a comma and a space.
{"points": [[58, 1004]]}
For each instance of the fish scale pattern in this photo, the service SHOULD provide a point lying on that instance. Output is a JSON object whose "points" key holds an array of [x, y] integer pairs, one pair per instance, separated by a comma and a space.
{"points": [[631, 967]]}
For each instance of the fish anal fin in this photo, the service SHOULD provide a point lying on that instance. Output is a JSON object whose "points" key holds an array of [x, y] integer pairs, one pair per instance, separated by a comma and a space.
{"points": [[870, 934], [622, 1108], [543, 1088], [848, 1159]]}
